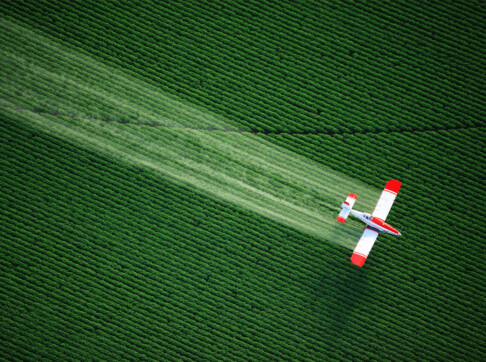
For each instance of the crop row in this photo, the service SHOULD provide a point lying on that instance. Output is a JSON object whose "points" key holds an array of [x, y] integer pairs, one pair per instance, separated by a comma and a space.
{"points": [[105, 186], [248, 94], [73, 97], [56, 173], [60, 236], [209, 275]]}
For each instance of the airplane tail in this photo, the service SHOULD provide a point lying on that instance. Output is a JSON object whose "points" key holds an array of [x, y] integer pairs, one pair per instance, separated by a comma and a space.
{"points": [[346, 207]]}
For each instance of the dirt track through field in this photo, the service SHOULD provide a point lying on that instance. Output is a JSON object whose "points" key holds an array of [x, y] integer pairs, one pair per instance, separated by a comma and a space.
{"points": [[85, 102]]}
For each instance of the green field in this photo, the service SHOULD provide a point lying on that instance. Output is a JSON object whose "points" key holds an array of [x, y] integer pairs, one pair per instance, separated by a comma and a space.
{"points": [[171, 174]]}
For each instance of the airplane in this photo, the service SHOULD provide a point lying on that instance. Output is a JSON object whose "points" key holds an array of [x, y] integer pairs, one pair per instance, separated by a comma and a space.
{"points": [[375, 222]]}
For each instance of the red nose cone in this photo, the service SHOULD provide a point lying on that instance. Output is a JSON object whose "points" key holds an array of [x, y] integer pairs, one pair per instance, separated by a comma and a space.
{"points": [[341, 219], [358, 259]]}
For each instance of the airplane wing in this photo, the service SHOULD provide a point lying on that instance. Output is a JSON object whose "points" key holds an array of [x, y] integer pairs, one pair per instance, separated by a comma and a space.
{"points": [[386, 199], [364, 246]]}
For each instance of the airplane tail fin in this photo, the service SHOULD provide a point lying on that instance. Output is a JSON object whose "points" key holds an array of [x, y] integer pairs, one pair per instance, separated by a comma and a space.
{"points": [[346, 207]]}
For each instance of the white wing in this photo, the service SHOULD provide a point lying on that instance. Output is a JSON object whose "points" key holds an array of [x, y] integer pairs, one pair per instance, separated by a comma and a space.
{"points": [[386, 199], [364, 246]]}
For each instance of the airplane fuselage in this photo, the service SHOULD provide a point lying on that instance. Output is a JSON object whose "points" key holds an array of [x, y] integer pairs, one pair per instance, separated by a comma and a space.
{"points": [[375, 223]]}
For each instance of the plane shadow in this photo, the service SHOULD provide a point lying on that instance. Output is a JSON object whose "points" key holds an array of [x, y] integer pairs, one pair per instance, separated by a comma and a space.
{"points": [[339, 293]]}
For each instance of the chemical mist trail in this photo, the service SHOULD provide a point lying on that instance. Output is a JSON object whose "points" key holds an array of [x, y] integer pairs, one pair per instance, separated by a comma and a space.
{"points": [[85, 102]]}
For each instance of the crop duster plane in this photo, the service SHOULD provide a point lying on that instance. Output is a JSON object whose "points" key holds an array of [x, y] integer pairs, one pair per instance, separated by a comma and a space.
{"points": [[375, 223]]}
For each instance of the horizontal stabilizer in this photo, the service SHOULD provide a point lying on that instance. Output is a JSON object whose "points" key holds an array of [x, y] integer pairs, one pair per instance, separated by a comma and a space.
{"points": [[347, 206]]}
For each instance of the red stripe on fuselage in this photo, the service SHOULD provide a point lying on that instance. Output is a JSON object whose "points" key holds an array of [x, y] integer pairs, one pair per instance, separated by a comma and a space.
{"points": [[383, 224], [377, 220]]}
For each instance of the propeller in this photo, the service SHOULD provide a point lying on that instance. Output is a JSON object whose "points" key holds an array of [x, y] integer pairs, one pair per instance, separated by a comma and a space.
{"points": [[401, 230]]}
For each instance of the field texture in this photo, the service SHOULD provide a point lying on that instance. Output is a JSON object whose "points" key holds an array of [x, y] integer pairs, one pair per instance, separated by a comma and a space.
{"points": [[170, 177]]}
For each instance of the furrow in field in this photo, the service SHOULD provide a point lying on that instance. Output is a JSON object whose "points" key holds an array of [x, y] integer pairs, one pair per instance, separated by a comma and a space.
{"points": [[240, 168]]}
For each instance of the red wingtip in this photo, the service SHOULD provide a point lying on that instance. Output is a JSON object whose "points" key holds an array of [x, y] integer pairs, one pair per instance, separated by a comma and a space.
{"points": [[393, 186], [341, 219], [353, 196], [358, 259]]}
